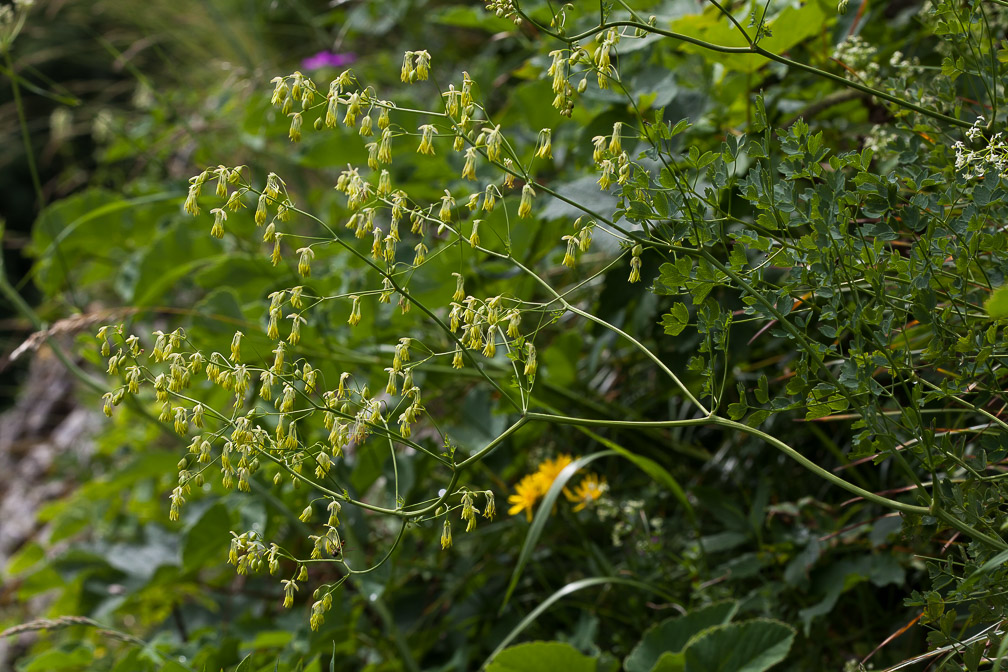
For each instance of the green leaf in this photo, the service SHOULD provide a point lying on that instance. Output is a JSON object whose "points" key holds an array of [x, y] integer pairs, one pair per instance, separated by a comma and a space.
{"points": [[792, 25], [680, 126], [25, 559], [207, 538], [673, 276], [84, 238], [670, 662], [989, 566], [997, 304], [672, 635], [141, 559], [469, 17], [249, 278], [218, 313], [369, 466], [270, 639], [676, 319], [541, 657], [175, 255], [570, 588], [752, 646], [584, 191], [59, 659]]}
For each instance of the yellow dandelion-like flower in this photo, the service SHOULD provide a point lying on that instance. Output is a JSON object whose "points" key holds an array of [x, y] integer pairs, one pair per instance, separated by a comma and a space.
{"points": [[587, 491], [527, 493], [550, 469]]}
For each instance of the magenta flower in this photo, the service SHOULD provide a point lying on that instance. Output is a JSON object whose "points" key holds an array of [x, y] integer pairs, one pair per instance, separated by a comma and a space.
{"points": [[328, 59]]}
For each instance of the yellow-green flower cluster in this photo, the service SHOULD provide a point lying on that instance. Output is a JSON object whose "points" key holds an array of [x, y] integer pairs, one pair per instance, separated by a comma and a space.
{"points": [[482, 323], [469, 513], [603, 57], [610, 158], [577, 242]]}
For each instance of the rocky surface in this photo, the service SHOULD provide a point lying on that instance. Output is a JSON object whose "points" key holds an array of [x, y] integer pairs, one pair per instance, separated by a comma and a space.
{"points": [[44, 431]]}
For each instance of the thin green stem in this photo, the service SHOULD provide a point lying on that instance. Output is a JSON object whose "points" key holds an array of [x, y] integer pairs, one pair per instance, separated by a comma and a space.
{"points": [[402, 290], [824, 474], [808, 464], [40, 199], [487, 449], [22, 307], [598, 320], [752, 49], [738, 26], [392, 548]]}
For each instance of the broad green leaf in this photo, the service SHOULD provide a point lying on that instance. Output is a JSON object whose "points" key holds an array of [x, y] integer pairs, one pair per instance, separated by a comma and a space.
{"points": [[672, 635], [676, 319], [997, 304], [241, 665], [207, 539], [670, 662], [583, 190], [142, 559], [570, 588], [792, 25], [737, 410], [878, 568], [178, 253], [270, 639], [469, 17], [45, 579], [218, 313], [26, 557], [541, 657], [250, 278], [85, 238], [59, 659], [673, 276], [751, 646], [757, 417], [370, 463]]}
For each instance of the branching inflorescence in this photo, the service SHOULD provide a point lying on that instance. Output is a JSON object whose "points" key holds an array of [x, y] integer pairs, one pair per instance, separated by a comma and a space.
{"points": [[814, 250]]}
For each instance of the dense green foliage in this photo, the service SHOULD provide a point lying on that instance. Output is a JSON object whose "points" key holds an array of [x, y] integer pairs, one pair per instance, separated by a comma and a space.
{"points": [[701, 299]]}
